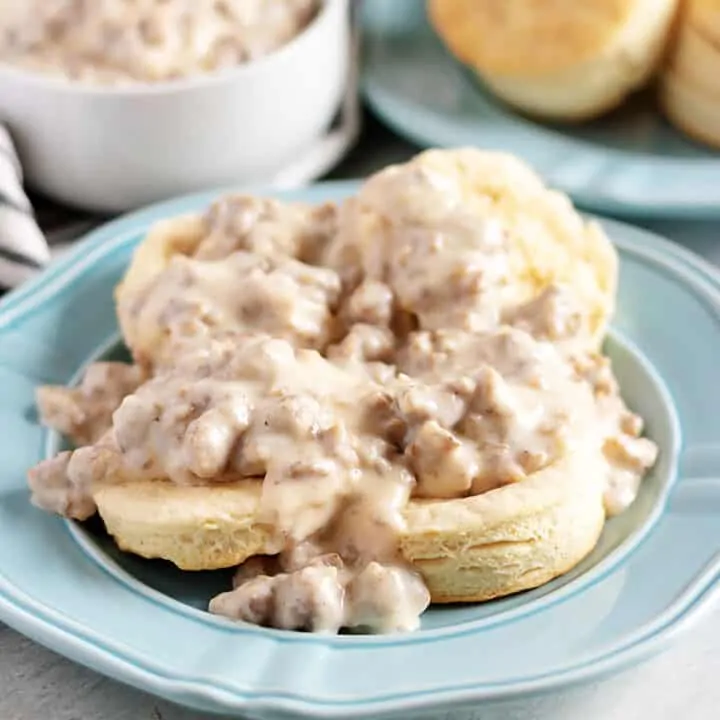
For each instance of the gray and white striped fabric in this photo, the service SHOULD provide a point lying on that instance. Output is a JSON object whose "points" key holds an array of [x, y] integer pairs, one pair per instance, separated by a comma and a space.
{"points": [[23, 247]]}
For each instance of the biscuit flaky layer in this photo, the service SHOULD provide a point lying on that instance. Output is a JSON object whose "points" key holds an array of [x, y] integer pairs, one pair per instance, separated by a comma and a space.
{"points": [[470, 549]]}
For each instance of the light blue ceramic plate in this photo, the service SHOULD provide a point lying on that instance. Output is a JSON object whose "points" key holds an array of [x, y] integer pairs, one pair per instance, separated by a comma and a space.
{"points": [[142, 622], [631, 162]]}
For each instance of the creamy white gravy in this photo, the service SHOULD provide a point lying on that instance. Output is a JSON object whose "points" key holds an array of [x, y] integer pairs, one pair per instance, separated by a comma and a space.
{"points": [[348, 377], [124, 41]]}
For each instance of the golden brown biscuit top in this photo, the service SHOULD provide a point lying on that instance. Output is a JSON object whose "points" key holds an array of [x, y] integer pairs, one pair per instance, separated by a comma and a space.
{"points": [[510, 37]]}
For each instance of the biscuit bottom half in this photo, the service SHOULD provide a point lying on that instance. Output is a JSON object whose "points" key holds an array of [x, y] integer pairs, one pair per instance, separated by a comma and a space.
{"points": [[471, 549]]}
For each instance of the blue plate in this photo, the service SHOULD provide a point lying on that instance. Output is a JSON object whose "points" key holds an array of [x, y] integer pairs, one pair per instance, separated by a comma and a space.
{"points": [[68, 587], [629, 163]]}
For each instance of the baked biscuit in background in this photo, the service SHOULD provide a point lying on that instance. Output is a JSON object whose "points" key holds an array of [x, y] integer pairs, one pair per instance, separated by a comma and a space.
{"points": [[690, 81], [561, 60]]}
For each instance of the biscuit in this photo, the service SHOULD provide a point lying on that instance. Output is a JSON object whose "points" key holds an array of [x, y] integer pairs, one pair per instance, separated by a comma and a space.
{"points": [[503, 541], [175, 236], [559, 59], [703, 16], [694, 111], [548, 241], [689, 88], [695, 59]]}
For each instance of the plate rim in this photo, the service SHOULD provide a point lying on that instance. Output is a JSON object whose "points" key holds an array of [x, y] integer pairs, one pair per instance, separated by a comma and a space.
{"points": [[25, 299]]}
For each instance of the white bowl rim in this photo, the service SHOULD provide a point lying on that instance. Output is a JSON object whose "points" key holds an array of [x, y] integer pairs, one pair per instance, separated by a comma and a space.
{"points": [[168, 87]]}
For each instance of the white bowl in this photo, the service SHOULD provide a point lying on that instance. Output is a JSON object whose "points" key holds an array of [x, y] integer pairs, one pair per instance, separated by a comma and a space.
{"points": [[113, 149]]}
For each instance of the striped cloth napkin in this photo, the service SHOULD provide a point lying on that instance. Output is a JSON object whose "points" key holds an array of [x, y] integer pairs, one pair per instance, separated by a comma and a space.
{"points": [[23, 248]]}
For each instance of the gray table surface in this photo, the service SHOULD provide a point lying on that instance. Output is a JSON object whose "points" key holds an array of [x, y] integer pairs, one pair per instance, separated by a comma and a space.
{"points": [[684, 682]]}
